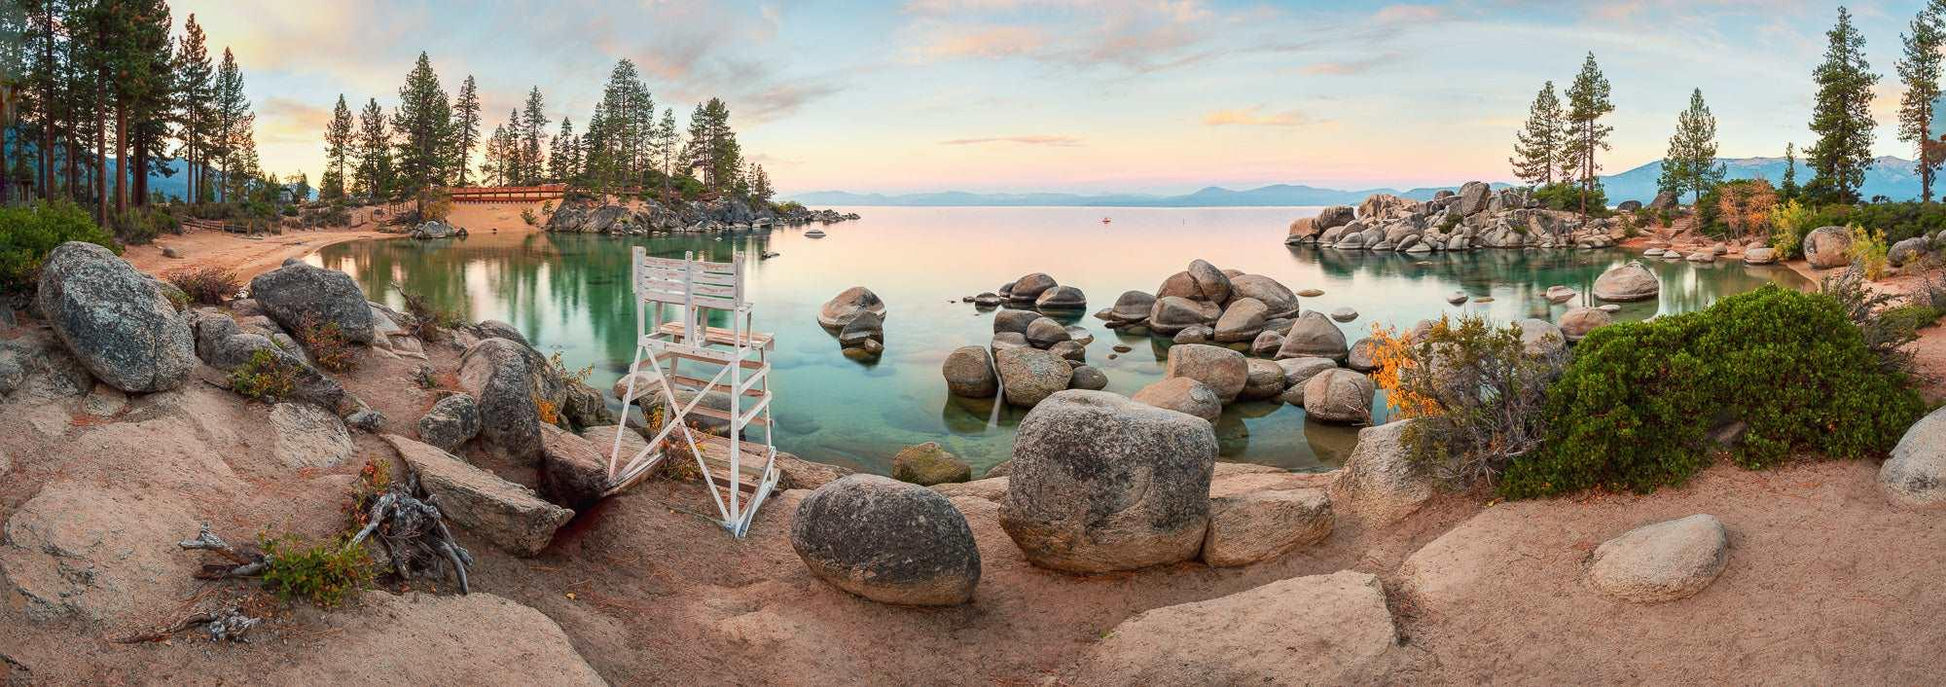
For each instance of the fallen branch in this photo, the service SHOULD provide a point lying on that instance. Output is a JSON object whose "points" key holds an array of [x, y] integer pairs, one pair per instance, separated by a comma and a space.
{"points": [[228, 624]]}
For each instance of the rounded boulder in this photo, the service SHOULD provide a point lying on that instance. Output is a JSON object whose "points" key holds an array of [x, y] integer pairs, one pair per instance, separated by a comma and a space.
{"points": [[887, 541]]}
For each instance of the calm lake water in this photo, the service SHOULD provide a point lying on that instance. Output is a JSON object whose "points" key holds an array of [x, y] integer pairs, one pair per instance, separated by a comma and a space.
{"points": [[569, 293]]}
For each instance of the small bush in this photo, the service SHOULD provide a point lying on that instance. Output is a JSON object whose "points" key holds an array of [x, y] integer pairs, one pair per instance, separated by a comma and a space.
{"points": [[206, 285], [327, 345], [1737, 209], [1571, 197], [324, 574], [373, 480], [264, 377], [1788, 225], [1475, 392], [560, 366], [428, 322], [547, 207], [527, 215], [1869, 251], [140, 225], [1633, 409], [1868, 310], [29, 232]]}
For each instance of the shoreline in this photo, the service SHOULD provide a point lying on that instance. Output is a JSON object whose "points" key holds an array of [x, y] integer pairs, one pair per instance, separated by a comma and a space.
{"points": [[250, 256]]}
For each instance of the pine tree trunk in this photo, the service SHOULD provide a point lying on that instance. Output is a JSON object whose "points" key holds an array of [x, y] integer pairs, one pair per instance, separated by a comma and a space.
{"points": [[122, 170], [141, 180], [101, 163]]}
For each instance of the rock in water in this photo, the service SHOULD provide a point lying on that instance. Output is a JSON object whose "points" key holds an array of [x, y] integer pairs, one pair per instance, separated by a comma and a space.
{"points": [[1340, 396], [511, 383], [1222, 370], [1277, 299], [1828, 247], [1242, 321], [1029, 288], [116, 320], [1031, 375], [1315, 630], [927, 464], [1099, 483], [1045, 332], [1314, 336], [1014, 321], [1132, 306], [1662, 562], [1630, 282], [1577, 322], [508, 515], [451, 422], [1089, 378], [1379, 482], [848, 304], [887, 541], [1363, 356], [297, 292], [1915, 474], [1061, 298], [968, 373], [1266, 380], [1760, 256], [1211, 282], [1183, 395]]}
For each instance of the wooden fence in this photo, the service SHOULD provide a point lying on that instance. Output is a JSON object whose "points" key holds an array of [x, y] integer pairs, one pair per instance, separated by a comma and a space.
{"points": [[507, 194]]}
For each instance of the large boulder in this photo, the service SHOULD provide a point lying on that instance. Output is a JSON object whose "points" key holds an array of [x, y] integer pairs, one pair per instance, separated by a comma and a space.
{"points": [[306, 436], [450, 422], [528, 648], [1014, 321], [1242, 321], [1631, 282], [969, 373], [1827, 247], [1132, 306], [1335, 216], [1210, 281], [498, 329], [863, 327], [574, 469], [509, 516], [1315, 630], [1664, 561], [1062, 298], [848, 305], [1577, 322], [512, 383], [928, 464], [1183, 395], [1173, 314], [1030, 375], [1046, 332], [298, 293], [1277, 299], [1298, 372], [1664, 201], [1540, 338], [1314, 336], [115, 319], [1028, 288], [224, 345], [1302, 229], [1915, 474], [1909, 250], [1266, 380], [95, 552], [1339, 396], [887, 541], [1760, 256], [1249, 523], [1099, 482], [1379, 482], [1222, 369], [1473, 197]]}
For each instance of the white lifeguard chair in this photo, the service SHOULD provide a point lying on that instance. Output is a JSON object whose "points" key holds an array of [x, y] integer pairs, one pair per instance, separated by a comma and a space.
{"points": [[739, 471]]}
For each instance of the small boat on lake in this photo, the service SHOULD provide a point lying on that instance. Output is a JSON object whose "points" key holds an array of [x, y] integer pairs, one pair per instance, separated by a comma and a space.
{"points": [[1106, 220]]}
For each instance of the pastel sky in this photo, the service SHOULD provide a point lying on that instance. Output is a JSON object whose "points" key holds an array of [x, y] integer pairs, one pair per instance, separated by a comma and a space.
{"points": [[1076, 95]]}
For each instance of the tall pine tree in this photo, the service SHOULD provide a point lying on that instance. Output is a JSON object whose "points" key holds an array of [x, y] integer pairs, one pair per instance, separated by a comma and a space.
{"points": [[466, 129], [1690, 166], [1919, 71], [338, 147], [533, 121], [1587, 103], [1538, 146], [422, 125], [1842, 116], [374, 152]]}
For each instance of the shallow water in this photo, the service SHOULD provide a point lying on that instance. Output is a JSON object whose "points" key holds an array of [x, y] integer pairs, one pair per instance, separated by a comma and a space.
{"points": [[569, 293]]}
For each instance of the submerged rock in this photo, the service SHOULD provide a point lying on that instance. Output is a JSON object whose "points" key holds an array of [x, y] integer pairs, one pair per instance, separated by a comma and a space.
{"points": [[1340, 396], [969, 373], [887, 541], [115, 320], [1630, 282], [1099, 482], [928, 464], [1661, 562], [1030, 375]]}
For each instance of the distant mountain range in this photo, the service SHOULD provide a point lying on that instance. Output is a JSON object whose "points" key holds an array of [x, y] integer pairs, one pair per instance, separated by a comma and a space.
{"points": [[1891, 177]]}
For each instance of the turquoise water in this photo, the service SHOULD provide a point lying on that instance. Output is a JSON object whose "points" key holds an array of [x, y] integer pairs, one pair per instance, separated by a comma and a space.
{"points": [[569, 293]]}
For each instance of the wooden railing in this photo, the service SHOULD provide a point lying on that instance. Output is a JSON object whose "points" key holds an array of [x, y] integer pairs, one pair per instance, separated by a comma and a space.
{"points": [[507, 194]]}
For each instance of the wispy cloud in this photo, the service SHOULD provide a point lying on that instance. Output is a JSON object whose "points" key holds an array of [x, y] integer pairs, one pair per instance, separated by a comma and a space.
{"points": [[1030, 140], [1255, 116], [1351, 67]]}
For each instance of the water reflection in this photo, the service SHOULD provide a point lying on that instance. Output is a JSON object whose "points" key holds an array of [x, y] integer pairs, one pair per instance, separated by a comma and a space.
{"points": [[570, 294]]}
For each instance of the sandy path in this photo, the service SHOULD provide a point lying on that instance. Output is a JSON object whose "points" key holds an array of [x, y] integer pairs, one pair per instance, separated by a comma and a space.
{"points": [[251, 256]]}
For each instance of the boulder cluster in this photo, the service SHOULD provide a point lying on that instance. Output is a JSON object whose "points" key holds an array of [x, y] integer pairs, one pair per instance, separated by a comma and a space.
{"points": [[646, 216], [435, 229], [1037, 290], [1476, 216], [857, 317]]}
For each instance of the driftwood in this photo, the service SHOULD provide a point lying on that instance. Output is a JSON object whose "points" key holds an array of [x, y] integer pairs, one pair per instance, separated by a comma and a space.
{"points": [[408, 527], [228, 624]]}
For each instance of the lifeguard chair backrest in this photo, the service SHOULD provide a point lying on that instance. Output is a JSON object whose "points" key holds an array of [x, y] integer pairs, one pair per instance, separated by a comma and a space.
{"points": [[687, 282]]}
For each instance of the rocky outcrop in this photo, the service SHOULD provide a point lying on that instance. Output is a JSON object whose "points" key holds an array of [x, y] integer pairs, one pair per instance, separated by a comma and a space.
{"points": [[1828, 247], [527, 648], [306, 436], [1631, 282], [115, 319], [511, 383], [928, 464], [297, 293], [1099, 482], [510, 516], [648, 216], [1661, 562], [887, 541], [1316, 630], [103, 555]]}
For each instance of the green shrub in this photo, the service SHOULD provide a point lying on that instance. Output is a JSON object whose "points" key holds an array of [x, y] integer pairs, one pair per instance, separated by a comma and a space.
{"points": [[264, 377], [324, 574], [1886, 333], [1788, 225], [29, 232], [1562, 195], [1633, 409], [326, 343], [1899, 221], [527, 215], [140, 225], [1475, 392], [1869, 250]]}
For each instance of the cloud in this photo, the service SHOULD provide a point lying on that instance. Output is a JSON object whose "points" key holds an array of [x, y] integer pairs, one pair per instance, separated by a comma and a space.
{"points": [[1139, 36], [1349, 67], [1255, 116], [1408, 14], [1029, 140], [983, 41]]}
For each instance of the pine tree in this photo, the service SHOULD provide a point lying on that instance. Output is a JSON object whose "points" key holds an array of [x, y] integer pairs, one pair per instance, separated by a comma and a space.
{"points": [[533, 136], [1690, 165], [1842, 116], [1587, 103], [760, 191], [669, 143], [422, 124], [1788, 189], [338, 146], [466, 129], [152, 98], [1538, 145], [1919, 71], [232, 123], [373, 178], [194, 90]]}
